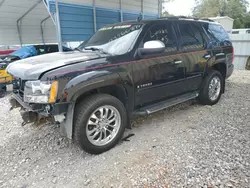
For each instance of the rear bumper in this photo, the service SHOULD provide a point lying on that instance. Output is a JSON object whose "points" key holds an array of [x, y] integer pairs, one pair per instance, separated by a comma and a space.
{"points": [[42, 109], [230, 69]]}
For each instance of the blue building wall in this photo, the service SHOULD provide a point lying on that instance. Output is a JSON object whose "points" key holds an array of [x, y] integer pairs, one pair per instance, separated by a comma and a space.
{"points": [[106, 16], [77, 21]]}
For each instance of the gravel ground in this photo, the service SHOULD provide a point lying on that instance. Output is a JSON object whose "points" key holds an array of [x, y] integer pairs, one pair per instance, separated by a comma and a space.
{"points": [[189, 145]]}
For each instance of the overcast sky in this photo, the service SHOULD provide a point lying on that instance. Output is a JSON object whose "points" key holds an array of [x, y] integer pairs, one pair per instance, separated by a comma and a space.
{"points": [[181, 7]]}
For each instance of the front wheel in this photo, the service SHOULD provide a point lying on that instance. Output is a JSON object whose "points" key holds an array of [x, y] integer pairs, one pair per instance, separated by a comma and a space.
{"points": [[100, 122], [212, 88]]}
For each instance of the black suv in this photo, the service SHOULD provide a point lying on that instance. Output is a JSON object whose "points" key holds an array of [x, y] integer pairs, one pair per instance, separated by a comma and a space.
{"points": [[123, 70]]}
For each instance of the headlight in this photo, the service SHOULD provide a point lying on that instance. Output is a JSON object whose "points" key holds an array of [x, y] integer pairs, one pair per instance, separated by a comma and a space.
{"points": [[40, 91]]}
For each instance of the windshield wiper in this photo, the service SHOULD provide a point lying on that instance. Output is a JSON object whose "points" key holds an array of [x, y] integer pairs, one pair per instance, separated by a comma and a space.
{"points": [[97, 49]]}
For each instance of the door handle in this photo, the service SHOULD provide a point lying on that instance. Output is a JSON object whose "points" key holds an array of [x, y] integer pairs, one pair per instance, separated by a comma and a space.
{"points": [[207, 56], [220, 54], [177, 62]]}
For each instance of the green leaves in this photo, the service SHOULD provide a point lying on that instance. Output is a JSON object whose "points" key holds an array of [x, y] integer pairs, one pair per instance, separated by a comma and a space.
{"points": [[236, 9]]}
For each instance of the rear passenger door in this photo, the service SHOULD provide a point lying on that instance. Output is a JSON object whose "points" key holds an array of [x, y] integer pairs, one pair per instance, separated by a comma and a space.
{"points": [[194, 53]]}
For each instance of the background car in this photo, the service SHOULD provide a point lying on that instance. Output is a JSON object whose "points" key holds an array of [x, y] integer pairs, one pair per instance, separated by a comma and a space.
{"points": [[5, 50], [22, 53], [30, 51]]}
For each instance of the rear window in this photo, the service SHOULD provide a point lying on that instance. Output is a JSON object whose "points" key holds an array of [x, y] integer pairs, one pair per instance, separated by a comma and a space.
{"points": [[217, 34]]}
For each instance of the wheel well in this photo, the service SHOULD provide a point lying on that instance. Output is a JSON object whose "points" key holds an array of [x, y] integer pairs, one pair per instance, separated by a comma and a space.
{"points": [[221, 67], [115, 90]]}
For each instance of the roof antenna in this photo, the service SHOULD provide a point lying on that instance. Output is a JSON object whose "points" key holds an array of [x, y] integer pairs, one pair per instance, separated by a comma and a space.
{"points": [[139, 18]]}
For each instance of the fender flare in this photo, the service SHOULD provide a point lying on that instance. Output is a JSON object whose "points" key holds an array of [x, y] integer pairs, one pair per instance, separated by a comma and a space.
{"points": [[89, 81]]}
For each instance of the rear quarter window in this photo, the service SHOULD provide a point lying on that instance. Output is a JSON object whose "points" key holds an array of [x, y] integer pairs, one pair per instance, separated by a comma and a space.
{"points": [[217, 35]]}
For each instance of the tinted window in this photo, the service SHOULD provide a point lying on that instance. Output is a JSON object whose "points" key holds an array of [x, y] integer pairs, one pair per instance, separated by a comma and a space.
{"points": [[191, 36], [217, 34], [40, 49], [164, 33], [52, 48]]}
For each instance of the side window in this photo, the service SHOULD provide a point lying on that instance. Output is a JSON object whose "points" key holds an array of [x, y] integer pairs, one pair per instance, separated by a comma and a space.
{"points": [[164, 33], [217, 34], [40, 49], [191, 36], [52, 48]]}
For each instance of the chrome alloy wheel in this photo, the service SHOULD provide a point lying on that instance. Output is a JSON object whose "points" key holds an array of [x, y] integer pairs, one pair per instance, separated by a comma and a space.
{"points": [[214, 88], [103, 125]]}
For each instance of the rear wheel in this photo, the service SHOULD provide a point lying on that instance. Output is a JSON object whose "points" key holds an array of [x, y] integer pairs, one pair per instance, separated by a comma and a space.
{"points": [[212, 88], [100, 122]]}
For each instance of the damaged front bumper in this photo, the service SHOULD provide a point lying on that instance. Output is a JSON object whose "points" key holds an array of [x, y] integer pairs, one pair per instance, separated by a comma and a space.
{"points": [[33, 112], [58, 112]]}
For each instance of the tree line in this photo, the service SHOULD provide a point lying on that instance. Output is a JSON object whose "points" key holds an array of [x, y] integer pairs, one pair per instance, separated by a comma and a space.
{"points": [[236, 9]]}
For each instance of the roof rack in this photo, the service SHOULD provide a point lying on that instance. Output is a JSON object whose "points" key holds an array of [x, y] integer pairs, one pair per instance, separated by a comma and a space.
{"points": [[207, 19], [185, 17]]}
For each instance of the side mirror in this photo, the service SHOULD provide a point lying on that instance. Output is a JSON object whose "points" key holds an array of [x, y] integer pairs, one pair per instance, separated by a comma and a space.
{"points": [[152, 47]]}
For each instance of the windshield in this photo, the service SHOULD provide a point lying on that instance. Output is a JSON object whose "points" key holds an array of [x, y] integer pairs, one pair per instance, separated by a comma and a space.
{"points": [[115, 40]]}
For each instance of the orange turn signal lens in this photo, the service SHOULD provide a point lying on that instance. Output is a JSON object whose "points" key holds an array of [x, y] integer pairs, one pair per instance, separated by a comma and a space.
{"points": [[53, 92]]}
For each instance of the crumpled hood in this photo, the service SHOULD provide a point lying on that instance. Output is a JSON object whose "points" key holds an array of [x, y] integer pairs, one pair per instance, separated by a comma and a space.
{"points": [[32, 68]]}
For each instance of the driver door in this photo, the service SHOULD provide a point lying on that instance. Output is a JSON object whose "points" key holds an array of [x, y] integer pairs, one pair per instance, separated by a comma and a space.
{"points": [[158, 76]]}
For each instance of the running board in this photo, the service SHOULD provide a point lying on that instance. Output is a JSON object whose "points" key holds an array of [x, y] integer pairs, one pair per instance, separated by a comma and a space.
{"points": [[165, 104]]}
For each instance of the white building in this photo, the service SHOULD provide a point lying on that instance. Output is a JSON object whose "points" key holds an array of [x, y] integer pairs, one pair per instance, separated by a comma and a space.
{"points": [[225, 21]]}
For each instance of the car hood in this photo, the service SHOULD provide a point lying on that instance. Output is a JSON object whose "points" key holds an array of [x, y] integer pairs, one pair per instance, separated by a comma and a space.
{"points": [[32, 68]]}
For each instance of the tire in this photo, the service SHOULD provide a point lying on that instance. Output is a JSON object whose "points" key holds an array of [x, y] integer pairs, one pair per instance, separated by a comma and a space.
{"points": [[204, 96], [84, 124]]}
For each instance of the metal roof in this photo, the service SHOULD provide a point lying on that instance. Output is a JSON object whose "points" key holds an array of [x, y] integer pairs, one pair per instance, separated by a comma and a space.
{"points": [[31, 22], [23, 22]]}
